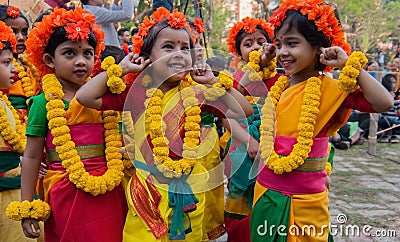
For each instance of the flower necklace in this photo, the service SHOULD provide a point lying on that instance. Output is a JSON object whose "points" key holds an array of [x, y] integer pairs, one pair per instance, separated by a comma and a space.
{"points": [[32, 68], [308, 116], [256, 74], [153, 119], [16, 138], [129, 140], [25, 79], [65, 147]]}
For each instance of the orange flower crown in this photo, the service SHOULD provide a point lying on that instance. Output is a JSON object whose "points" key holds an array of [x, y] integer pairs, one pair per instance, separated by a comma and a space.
{"points": [[199, 25], [77, 23], [176, 20], [249, 25], [318, 11], [13, 12], [7, 35]]}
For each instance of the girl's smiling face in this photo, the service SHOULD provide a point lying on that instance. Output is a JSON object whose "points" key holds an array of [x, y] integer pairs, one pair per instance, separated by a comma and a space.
{"points": [[171, 56]]}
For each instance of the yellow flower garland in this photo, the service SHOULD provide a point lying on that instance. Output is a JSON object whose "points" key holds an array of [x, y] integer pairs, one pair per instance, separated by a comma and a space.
{"points": [[308, 116], [16, 138], [36, 209], [155, 124], [256, 74], [65, 147], [219, 89], [129, 139], [25, 79], [32, 68], [348, 77], [114, 72]]}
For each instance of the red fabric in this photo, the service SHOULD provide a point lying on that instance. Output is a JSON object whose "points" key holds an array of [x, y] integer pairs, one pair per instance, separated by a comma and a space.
{"points": [[80, 217], [238, 229]]}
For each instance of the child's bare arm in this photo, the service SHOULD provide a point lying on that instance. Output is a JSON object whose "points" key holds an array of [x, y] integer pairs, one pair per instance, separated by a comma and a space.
{"points": [[373, 91], [90, 94], [240, 133], [30, 169]]}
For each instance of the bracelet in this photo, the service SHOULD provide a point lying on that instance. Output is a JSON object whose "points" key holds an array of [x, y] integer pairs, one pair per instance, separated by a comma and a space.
{"points": [[348, 78], [219, 89], [256, 74], [36, 209], [114, 72]]}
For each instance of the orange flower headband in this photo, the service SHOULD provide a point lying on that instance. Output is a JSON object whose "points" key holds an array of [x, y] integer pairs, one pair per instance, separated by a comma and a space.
{"points": [[7, 35], [322, 14], [77, 23], [249, 25], [13, 12], [176, 20], [199, 25]]}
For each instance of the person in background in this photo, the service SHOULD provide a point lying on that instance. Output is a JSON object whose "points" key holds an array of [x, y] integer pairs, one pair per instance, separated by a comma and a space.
{"points": [[124, 39], [106, 19], [372, 67]]}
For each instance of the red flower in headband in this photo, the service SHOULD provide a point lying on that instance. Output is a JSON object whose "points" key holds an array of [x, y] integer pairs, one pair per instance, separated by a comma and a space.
{"points": [[7, 35], [323, 16], [176, 20], [249, 25], [13, 12], [77, 31], [199, 25]]}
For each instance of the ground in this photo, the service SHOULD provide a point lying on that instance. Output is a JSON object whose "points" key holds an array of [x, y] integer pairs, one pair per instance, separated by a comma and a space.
{"points": [[365, 194]]}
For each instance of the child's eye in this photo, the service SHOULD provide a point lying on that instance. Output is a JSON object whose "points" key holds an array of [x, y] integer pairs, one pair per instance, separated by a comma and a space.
{"points": [[168, 46], [278, 45], [68, 53], [89, 52], [185, 49], [24, 31]]}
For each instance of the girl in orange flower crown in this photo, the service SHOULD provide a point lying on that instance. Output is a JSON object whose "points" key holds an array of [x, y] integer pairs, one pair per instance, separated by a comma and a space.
{"points": [[12, 139], [290, 194], [27, 79], [166, 193], [250, 41], [84, 196], [209, 154]]}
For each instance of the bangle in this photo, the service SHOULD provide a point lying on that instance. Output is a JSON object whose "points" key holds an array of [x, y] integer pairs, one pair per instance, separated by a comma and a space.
{"points": [[219, 89], [36, 209], [348, 77], [114, 72]]}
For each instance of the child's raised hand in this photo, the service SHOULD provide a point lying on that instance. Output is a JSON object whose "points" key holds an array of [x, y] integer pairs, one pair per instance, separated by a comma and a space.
{"points": [[268, 53], [133, 63], [333, 56], [202, 73]]}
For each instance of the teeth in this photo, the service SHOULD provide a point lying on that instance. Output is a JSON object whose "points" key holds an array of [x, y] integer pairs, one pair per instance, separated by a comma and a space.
{"points": [[176, 66]]}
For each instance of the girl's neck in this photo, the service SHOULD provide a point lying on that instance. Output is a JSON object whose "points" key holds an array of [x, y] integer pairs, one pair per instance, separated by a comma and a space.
{"points": [[69, 89], [301, 77], [166, 86]]}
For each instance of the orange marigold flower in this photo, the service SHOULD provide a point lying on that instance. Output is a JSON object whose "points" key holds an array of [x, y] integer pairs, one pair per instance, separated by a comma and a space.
{"points": [[137, 44], [77, 31], [177, 19], [7, 35], [199, 25], [13, 12]]}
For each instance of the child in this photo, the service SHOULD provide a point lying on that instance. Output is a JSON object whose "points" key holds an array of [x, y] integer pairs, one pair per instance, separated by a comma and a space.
{"points": [[209, 155], [161, 192], [290, 194], [82, 184], [26, 82], [247, 39], [12, 144]]}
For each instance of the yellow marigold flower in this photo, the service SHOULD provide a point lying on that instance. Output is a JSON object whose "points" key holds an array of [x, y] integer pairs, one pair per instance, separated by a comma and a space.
{"points": [[107, 62]]}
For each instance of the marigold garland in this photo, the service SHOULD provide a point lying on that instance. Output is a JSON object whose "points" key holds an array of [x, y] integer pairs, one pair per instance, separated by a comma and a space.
{"points": [[308, 116], [114, 72], [129, 139], [219, 89], [15, 137], [155, 123], [249, 25], [65, 147], [348, 77], [176, 20], [7, 35], [36, 209], [256, 74], [32, 69], [328, 168], [25, 79], [318, 11], [39, 36]]}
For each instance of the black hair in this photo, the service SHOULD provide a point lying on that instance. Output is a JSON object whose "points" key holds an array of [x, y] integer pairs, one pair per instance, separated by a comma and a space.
{"points": [[121, 31], [84, 2], [241, 34], [134, 31], [387, 82], [4, 16], [41, 15], [307, 28], [152, 36], [59, 36], [7, 46]]}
